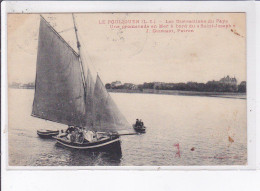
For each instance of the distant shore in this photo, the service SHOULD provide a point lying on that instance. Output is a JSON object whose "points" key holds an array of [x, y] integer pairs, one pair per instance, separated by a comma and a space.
{"points": [[233, 95]]}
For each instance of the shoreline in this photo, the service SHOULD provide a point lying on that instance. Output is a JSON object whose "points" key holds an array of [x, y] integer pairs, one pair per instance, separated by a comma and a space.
{"points": [[231, 95]]}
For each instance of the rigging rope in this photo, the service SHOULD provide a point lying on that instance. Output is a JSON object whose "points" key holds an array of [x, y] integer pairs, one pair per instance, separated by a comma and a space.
{"points": [[87, 57]]}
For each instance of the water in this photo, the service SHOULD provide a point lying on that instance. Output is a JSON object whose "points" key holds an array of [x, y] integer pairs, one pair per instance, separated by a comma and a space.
{"points": [[200, 125]]}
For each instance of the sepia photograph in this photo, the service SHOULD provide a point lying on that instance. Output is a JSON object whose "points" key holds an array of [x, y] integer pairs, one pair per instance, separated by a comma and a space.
{"points": [[127, 89]]}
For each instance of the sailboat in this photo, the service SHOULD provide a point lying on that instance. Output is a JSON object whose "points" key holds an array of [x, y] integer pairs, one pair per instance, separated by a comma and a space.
{"points": [[66, 93]]}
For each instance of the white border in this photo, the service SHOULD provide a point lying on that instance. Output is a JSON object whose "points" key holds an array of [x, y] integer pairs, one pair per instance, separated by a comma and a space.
{"points": [[144, 6], [257, 85]]}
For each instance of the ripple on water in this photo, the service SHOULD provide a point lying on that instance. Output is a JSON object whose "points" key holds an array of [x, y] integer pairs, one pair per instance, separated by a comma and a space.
{"points": [[201, 123]]}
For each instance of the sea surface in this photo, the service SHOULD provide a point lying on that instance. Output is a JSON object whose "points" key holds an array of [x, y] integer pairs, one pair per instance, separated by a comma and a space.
{"points": [[181, 130]]}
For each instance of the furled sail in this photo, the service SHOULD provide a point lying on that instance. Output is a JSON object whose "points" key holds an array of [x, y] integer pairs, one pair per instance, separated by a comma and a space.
{"points": [[59, 90], [107, 116]]}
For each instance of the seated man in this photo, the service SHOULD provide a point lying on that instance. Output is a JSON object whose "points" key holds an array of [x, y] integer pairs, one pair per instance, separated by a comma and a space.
{"points": [[137, 123], [80, 137], [72, 137]]}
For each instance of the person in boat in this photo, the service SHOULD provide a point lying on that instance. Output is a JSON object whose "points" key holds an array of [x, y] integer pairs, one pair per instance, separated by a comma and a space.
{"points": [[79, 135], [68, 132], [137, 123], [76, 134], [70, 129], [72, 137], [90, 136], [72, 134], [141, 123]]}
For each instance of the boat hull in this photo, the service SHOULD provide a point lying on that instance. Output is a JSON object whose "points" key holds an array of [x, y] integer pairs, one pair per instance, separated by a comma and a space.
{"points": [[46, 134], [139, 129], [112, 144]]}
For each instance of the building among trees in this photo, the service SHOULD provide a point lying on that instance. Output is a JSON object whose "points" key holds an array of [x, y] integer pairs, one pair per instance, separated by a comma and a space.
{"points": [[116, 84], [228, 80], [130, 86]]}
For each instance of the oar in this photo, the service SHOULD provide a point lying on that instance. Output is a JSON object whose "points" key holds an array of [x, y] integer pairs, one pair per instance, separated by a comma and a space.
{"points": [[128, 134], [119, 134]]}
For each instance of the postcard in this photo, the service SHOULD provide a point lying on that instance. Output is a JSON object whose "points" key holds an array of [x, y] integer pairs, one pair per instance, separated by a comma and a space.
{"points": [[127, 89]]}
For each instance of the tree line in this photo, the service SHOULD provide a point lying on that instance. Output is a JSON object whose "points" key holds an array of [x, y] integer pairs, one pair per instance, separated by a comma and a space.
{"points": [[210, 86]]}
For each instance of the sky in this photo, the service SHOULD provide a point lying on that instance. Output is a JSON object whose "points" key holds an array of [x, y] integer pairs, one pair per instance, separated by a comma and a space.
{"points": [[132, 55]]}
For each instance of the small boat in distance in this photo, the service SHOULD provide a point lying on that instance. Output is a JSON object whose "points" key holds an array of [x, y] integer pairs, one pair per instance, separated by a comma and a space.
{"points": [[43, 133], [139, 129], [66, 93], [139, 126]]}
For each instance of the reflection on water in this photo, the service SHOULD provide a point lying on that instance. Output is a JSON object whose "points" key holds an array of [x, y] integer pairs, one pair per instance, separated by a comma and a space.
{"points": [[181, 130], [89, 158]]}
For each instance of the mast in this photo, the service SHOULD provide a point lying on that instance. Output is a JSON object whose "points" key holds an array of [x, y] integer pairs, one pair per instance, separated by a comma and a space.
{"points": [[78, 46]]}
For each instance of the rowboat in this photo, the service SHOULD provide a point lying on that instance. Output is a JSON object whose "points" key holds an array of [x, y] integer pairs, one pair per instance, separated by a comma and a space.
{"points": [[43, 133], [139, 129], [109, 143]]}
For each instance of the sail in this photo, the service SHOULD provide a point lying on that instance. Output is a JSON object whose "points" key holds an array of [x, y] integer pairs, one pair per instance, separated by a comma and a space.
{"points": [[90, 85], [59, 91], [107, 116]]}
